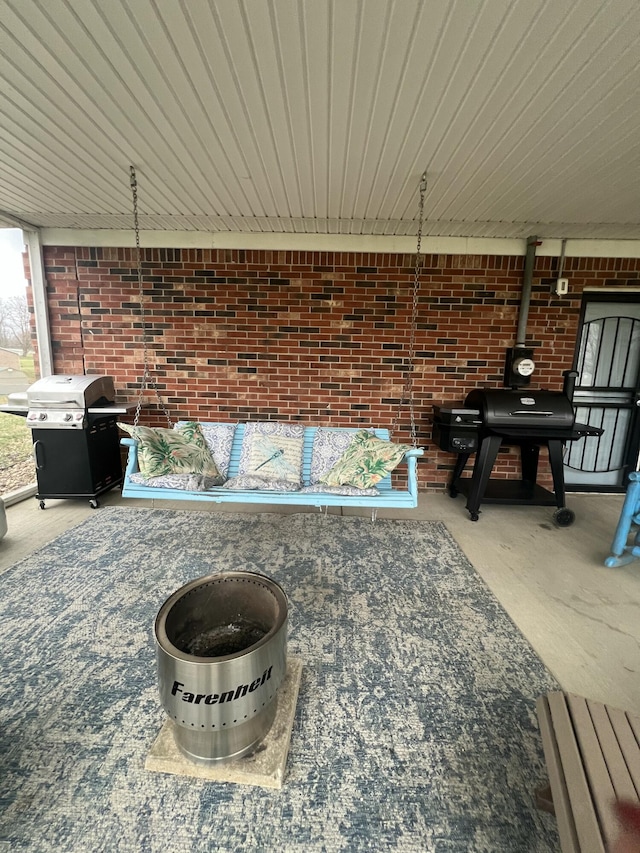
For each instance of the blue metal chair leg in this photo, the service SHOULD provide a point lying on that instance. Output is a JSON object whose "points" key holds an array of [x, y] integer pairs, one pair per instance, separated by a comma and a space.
{"points": [[621, 552]]}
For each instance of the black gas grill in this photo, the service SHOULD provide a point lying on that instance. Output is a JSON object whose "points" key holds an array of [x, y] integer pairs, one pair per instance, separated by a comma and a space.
{"points": [[524, 418], [76, 443]]}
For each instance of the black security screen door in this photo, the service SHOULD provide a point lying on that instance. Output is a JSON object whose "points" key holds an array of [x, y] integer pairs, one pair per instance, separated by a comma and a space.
{"points": [[607, 393]]}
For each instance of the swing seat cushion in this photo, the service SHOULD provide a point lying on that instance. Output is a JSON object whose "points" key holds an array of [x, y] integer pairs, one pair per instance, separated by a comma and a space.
{"points": [[252, 482], [366, 461], [219, 438], [348, 491], [182, 450], [185, 482]]}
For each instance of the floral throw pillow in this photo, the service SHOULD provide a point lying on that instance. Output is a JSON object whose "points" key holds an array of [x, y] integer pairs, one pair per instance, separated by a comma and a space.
{"points": [[173, 451], [328, 446], [365, 462], [219, 438]]}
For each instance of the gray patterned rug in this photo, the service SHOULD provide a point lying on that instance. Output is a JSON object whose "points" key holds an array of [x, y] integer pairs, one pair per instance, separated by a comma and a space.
{"points": [[415, 727]]}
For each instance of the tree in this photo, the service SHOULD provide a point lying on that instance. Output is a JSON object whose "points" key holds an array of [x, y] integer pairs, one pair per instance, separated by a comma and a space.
{"points": [[15, 323]]}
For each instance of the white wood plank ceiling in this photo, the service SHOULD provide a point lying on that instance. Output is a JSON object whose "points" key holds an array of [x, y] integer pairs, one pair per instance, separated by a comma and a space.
{"points": [[319, 116]]}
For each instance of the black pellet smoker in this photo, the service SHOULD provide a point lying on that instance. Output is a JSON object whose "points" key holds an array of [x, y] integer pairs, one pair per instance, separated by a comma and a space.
{"points": [[522, 417]]}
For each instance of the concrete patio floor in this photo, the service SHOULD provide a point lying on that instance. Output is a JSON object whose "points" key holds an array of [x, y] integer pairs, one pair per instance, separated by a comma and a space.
{"points": [[582, 618]]}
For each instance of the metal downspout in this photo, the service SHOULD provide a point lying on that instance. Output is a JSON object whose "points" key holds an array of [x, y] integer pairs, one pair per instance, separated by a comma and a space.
{"points": [[525, 299]]}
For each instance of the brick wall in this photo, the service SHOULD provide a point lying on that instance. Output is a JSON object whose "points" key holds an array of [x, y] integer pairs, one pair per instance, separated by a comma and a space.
{"points": [[316, 337]]}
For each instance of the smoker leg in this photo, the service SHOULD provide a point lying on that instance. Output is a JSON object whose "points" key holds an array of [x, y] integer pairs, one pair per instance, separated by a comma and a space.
{"points": [[458, 468], [485, 458], [563, 516], [529, 457], [555, 460]]}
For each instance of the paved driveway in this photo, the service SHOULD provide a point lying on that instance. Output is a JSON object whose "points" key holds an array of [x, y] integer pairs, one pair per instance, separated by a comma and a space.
{"points": [[12, 381]]}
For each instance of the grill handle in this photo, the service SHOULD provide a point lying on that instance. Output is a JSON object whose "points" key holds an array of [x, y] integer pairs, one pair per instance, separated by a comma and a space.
{"points": [[535, 413], [38, 445], [53, 403]]}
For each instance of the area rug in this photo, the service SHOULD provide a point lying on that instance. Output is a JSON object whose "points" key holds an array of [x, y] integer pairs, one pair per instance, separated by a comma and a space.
{"points": [[415, 727]]}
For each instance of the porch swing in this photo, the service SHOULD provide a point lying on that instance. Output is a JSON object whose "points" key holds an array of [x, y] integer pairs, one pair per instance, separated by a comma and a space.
{"points": [[271, 462]]}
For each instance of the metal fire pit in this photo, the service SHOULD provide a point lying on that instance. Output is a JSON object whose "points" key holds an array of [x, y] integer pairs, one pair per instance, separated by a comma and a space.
{"points": [[221, 645]]}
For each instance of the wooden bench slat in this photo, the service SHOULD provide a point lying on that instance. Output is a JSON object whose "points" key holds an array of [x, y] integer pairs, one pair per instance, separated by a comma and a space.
{"points": [[587, 826], [602, 760], [622, 724], [613, 756], [592, 753], [634, 723], [557, 781]]}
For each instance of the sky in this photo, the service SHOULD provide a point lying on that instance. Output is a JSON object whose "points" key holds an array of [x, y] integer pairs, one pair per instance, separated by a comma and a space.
{"points": [[12, 282]]}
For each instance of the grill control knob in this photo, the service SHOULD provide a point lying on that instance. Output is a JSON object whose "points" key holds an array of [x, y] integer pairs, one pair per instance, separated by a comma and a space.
{"points": [[68, 416], [42, 416]]}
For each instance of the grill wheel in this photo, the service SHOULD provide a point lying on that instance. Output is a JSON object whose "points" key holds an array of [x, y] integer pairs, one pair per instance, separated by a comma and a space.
{"points": [[564, 517]]}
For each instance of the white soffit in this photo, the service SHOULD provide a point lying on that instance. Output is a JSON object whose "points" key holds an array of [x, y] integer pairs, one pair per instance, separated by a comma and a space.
{"points": [[339, 243], [317, 117]]}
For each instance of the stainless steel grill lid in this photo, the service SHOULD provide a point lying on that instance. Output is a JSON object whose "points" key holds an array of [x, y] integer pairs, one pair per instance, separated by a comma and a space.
{"points": [[76, 392], [63, 402], [530, 411]]}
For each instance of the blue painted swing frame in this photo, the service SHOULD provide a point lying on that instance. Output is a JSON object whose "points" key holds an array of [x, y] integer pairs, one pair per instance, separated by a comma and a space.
{"points": [[390, 497]]}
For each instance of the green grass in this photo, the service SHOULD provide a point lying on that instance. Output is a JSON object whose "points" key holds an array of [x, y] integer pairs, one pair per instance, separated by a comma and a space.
{"points": [[15, 436], [28, 367], [16, 444], [15, 440]]}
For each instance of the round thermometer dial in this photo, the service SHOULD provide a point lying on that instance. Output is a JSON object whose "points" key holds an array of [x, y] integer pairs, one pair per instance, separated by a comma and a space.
{"points": [[524, 366]]}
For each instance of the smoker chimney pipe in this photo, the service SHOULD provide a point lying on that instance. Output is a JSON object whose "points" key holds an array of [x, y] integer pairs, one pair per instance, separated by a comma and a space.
{"points": [[529, 263]]}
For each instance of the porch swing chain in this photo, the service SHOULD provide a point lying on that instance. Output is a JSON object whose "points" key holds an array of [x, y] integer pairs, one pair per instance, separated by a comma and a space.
{"points": [[407, 391], [147, 379]]}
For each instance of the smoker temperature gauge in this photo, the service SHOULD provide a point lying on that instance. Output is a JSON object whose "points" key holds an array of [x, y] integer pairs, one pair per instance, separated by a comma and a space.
{"points": [[524, 366], [518, 367]]}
